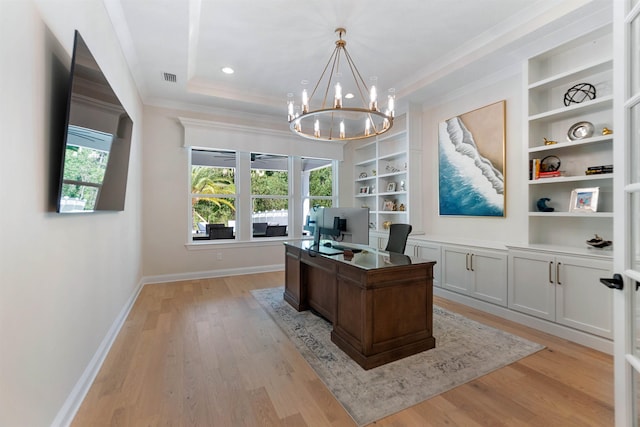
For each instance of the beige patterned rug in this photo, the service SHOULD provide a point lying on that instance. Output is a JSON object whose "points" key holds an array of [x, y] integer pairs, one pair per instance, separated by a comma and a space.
{"points": [[465, 350]]}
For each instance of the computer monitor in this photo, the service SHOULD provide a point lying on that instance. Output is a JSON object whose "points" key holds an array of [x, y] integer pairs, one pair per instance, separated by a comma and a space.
{"points": [[356, 224]]}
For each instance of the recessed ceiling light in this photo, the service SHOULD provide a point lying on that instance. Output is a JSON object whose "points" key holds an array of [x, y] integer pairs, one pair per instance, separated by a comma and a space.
{"points": [[227, 70], [349, 95]]}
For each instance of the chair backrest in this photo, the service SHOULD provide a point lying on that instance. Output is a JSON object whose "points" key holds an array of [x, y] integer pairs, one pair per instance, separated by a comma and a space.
{"points": [[210, 227], [276, 230], [260, 228], [398, 234], [221, 233]]}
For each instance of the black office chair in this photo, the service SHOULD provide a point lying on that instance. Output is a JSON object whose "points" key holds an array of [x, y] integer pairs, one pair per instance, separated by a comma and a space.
{"points": [[398, 234]]}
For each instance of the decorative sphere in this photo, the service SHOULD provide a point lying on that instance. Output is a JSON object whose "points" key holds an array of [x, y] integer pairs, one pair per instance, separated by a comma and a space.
{"points": [[579, 93]]}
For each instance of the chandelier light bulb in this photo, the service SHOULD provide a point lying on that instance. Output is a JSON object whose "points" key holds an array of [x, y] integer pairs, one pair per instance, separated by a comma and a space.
{"points": [[316, 129], [338, 98], [290, 110], [305, 102], [373, 99], [391, 105], [367, 127], [342, 130]]}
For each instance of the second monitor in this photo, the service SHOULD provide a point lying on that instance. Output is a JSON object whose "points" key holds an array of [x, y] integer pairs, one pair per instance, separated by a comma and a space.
{"points": [[352, 226]]}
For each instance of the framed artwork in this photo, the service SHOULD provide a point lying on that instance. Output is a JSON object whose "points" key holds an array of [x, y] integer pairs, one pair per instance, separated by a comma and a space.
{"points": [[472, 162], [391, 187], [584, 200], [364, 190]]}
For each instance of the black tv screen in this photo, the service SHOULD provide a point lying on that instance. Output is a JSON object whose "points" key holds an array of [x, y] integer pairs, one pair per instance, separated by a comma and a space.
{"points": [[97, 140]]}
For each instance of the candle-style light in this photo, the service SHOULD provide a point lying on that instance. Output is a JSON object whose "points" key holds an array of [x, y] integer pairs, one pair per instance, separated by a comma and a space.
{"points": [[367, 127], [337, 103], [305, 102], [316, 129], [373, 99], [342, 129]]}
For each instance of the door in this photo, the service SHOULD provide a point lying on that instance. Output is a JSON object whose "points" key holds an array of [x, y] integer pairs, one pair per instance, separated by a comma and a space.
{"points": [[532, 278], [489, 280], [626, 234], [455, 269], [581, 301]]}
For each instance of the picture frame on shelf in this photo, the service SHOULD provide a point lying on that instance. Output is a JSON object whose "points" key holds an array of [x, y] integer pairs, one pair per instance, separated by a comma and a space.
{"points": [[584, 200], [391, 187], [364, 190], [389, 205]]}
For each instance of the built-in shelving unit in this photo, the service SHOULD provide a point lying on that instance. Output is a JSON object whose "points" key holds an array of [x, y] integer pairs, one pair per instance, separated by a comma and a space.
{"points": [[386, 172], [549, 76]]}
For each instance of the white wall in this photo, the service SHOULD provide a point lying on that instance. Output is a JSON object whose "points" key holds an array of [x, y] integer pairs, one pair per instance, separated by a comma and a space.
{"points": [[513, 227], [167, 256], [64, 279]]}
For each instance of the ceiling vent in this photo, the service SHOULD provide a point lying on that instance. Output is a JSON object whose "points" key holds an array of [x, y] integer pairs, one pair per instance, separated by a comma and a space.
{"points": [[169, 77]]}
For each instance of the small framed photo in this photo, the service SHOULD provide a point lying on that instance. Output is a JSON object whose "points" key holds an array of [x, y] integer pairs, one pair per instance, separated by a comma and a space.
{"points": [[389, 205], [364, 190], [391, 187], [584, 200]]}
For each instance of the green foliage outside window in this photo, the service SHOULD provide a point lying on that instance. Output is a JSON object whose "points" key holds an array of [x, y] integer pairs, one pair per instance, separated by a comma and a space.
{"points": [[218, 181], [321, 184]]}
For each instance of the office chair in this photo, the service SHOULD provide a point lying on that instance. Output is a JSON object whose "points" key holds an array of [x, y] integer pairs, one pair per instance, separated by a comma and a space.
{"points": [[398, 234]]}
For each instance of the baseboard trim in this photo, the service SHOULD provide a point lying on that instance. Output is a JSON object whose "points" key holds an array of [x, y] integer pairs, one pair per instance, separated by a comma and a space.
{"points": [[165, 278], [68, 411], [597, 343]]}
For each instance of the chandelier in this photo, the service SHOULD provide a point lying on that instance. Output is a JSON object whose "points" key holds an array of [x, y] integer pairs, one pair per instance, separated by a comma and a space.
{"points": [[337, 119]]}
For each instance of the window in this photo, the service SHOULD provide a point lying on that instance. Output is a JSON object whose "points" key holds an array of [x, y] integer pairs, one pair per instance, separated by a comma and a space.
{"points": [[317, 185], [249, 196], [269, 194], [213, 194]]}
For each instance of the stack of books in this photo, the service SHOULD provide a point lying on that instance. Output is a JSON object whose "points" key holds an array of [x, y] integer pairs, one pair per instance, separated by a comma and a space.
{"points": [[536, 173], [596, 170]]}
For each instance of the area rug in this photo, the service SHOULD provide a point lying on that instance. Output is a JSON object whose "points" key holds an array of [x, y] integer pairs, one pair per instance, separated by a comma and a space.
{"points": [[465, 350]]}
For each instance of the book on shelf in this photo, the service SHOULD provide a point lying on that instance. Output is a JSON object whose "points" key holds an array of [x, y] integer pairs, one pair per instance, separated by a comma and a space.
{"points": [[549, 174], [534, 169], [596, 170]]}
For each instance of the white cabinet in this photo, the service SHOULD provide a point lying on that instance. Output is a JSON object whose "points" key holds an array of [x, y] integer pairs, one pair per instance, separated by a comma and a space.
{"points": [[562, 288], [429, 251], [480, 273], [549, 77]]}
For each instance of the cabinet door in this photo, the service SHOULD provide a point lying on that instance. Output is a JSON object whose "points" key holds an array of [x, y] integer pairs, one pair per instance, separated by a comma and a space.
{"points": [[581, 301], [455, 269], [532, 284], [489, 276], [430, 251]]}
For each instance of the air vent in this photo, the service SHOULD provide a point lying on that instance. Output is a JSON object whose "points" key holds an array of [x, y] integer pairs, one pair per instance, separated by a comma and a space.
{"points": [[168, 77]]}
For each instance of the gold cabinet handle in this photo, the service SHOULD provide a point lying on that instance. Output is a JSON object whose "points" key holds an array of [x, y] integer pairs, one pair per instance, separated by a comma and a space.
{"points": [[558, 273]]}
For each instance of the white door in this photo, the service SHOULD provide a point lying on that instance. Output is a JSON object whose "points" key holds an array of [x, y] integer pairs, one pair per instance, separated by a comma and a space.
{"points": [[626, 235]]}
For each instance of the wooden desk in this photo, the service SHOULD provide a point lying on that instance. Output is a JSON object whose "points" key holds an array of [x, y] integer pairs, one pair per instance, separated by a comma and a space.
{"points": [[380, 304]]}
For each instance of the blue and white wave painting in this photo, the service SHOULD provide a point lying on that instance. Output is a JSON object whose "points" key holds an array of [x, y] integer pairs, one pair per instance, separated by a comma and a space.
{"points": [[469, 183]]}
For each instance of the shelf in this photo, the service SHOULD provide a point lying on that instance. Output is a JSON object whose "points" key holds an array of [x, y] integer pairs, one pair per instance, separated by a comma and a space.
{"points": [[393, 156], [573, 74], [597, 104], [572, 214], [367, 162], [577, 178], [571, 144]]}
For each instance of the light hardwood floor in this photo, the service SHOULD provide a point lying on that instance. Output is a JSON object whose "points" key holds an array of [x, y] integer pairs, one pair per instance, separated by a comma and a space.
{"points": [[204, 353]]}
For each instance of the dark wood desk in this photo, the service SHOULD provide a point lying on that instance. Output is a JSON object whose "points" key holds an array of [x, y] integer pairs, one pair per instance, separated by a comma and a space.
{"points": [[380, 304]]}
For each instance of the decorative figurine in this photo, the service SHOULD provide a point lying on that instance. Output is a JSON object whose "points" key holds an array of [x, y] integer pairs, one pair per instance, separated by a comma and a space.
{"points": [[401, 207], [579, 93], [542, 205], [606, 131], [548, 142], [598, 242]]}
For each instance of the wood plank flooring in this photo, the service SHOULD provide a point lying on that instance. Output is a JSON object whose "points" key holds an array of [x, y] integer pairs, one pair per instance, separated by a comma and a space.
{"points": [[204, 353]]}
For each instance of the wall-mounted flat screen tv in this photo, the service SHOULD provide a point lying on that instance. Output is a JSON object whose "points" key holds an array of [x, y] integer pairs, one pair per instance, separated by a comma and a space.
{"points": [[97, 140]]}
